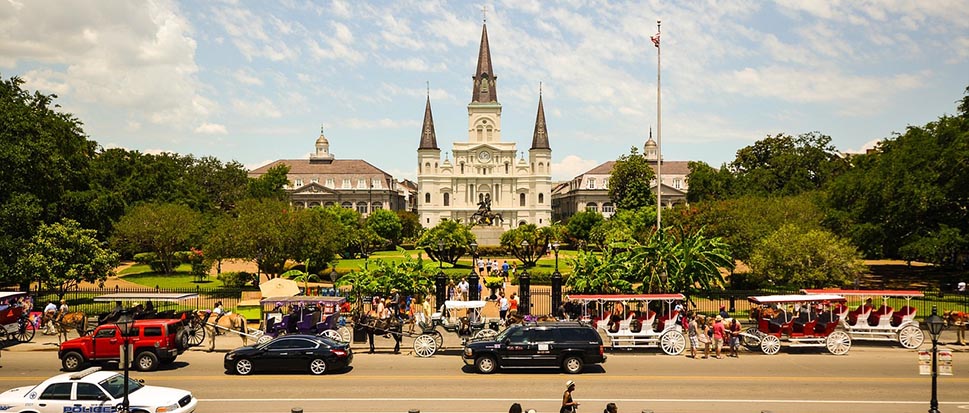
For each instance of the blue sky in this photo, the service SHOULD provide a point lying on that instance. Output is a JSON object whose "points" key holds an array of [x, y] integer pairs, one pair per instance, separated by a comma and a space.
{"points": [[253, 81]]}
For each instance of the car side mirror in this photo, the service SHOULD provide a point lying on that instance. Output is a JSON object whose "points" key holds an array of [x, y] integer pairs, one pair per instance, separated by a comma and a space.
{"points": [[507, 341], [142, 381]]}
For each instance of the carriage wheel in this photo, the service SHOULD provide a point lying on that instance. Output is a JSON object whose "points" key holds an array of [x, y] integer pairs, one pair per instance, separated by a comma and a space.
{"points": [[438, 338], [346, 334], [332, 335], [910, 336], [750, 338], [770, 345], [263, 339], [196, 332], [672, 342], [424, 345], [485, 334], [25, 333], [838, 343]]}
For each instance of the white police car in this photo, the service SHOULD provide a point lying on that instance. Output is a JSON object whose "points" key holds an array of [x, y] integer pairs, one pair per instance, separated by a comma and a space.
{"points": [[95, 391]]}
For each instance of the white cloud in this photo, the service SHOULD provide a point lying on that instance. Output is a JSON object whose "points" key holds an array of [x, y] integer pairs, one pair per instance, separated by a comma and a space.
{"points": [[211, 129], [261, 107], [253, 36], [865, 146], [414, 64], [245, 76], [338, 46], [384, 123], [571, 166]]}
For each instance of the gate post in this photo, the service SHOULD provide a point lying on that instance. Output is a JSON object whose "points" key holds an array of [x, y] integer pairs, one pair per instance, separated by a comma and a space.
{"points": [[440, 290], [556, 292], [524, 290], [474, 283]]}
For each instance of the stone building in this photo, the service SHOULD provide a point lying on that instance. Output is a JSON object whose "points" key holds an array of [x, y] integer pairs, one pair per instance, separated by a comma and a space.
{"points": [[590, 190], [322, 180], [485, 170]]}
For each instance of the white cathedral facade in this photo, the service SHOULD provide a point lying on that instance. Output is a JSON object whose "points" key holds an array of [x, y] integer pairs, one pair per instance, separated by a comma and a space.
{"points": [[485, 172]]}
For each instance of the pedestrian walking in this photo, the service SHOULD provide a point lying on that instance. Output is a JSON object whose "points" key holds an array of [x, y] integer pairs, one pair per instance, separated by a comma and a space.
{"points": [[463, 288], [611, 408], [515, 408], [704, 334], [503, 305], [692, 333], [735, 328], [568, 404], [513, 304]]}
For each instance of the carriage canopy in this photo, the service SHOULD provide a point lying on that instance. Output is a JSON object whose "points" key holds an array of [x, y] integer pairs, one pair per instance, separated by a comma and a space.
{"points": [[866, 293], [168, 297], [625, 297], [795, 298], [453, 305], [6, 295]]}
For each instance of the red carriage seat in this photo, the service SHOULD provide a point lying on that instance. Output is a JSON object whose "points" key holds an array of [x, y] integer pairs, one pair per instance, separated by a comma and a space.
{"points": [[668, 317], [904, 314], [883, 312], [824, 321], [10, 314], [804, 323], [861, 313], [649, 319], [840, 310]]}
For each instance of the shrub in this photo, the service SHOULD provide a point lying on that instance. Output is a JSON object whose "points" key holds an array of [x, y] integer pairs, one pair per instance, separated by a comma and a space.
{"points": [[491, 251], [145, 257], [235, 279]]}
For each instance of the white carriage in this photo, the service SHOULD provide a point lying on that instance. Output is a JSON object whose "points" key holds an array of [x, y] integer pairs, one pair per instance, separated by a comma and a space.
{"points": [[814, 325], [460, 317], [883, 323], [638, 329]]}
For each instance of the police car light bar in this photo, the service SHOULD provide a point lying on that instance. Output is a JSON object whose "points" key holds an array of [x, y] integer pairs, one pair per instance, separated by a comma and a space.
{"points": [[83, 373]]}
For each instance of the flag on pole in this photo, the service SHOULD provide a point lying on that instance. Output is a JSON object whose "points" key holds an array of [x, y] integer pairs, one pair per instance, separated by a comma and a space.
{"points": [[655, 39]]}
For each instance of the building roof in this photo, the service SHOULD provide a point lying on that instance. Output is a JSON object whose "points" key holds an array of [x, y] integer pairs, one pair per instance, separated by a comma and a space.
{"points": [[669, 168], [540, 136], [484, 71], [356, 167], [428, 136]]}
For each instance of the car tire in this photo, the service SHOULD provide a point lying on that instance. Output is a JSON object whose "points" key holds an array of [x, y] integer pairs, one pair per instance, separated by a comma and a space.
{"points": [[72, 361], [146, 361], [486, 364], [243, 367], [572, 364], [318, 366]]}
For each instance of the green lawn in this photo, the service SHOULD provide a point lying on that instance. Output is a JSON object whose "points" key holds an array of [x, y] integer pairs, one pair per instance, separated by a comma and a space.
{"points": [[182, 278]]}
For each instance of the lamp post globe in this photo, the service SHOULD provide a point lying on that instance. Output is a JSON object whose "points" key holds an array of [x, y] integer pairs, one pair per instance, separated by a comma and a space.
{"points": [[935, 324], [124, 325]]}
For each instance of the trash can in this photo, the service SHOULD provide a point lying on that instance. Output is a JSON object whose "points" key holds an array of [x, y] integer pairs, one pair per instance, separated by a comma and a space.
{"points": [[359, 334]]}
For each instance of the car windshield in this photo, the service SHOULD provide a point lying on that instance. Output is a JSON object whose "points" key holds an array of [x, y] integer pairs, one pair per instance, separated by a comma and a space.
{"points": [[504, 334], [114, 385]]}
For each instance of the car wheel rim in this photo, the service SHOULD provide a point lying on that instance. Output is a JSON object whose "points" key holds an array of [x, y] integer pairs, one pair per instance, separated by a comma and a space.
{"points": [[573, 364], [318, 366], [243, 367], [145, 363], [486, 365], [911, 337], [71, 363]]}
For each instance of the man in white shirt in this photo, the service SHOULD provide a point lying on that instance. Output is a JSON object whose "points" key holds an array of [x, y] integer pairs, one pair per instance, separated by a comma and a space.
{"points": [[49, 313], [503, 305], [463, 287]]}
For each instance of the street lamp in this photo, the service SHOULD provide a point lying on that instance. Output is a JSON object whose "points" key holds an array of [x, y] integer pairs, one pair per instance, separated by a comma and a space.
{"points": [[556, 284], [473, 279], [555, 247], [474, 256], [525, 253], [936, 324], [124, 324]]}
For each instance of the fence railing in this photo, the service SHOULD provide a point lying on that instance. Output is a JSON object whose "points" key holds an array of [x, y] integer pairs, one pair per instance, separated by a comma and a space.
{"points": [[710, 302]]}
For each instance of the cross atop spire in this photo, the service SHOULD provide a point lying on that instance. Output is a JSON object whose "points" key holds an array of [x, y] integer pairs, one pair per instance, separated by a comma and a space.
{"points": [[484, 13]]}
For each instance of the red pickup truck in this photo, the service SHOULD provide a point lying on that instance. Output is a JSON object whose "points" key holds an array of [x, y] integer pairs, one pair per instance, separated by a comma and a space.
{"points": [[152, 342]]}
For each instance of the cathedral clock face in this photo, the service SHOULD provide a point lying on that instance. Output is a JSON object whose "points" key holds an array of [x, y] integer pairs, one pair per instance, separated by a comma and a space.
{"points": [[484, 156]]}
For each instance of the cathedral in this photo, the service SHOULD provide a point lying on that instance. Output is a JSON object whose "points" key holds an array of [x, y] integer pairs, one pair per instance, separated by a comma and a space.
{"points": [[485, 181]]}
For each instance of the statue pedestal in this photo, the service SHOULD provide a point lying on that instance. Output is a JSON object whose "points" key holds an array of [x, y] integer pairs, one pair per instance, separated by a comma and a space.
{"points": [[487, 236]]}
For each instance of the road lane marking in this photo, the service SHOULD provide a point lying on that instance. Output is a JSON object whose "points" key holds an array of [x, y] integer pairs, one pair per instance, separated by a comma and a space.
{"points": [[532, 377], [476, 399]]}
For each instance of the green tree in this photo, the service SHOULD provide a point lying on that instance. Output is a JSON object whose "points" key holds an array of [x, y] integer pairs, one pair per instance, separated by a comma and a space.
{"points": [[452, 235], [630, 181], [600, 273], [410, 225], [625, 227], [800, 258], [786, 165], [707, 183], [409, 276], [528, 242], [356, 238], [263, 231], [386, 224], [160, 228], [314, 237], [63, 254], [679, 260], [45, 156], [580, 227], [270, 185]]}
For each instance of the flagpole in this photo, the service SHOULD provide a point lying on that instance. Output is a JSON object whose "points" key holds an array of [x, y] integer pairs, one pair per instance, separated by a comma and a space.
{"points": [[659, 138]]}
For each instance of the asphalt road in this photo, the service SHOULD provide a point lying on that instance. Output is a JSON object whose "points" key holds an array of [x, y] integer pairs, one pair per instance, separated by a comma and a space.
{"points": [[876, 378]]}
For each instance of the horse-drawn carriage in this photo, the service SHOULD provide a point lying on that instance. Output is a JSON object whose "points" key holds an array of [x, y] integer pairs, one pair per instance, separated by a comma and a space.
{"points": [[14, 317], [883, 323], [304, 315], [637, 328], [814, 325]]}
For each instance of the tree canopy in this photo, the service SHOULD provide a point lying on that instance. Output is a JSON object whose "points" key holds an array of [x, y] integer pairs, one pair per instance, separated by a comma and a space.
{"points": [[63, 254], [447, 241], [799, 258], [630, 181]]}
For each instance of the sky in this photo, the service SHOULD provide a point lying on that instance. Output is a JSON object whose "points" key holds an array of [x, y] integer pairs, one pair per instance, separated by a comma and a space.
{"points": [[254, 81]]}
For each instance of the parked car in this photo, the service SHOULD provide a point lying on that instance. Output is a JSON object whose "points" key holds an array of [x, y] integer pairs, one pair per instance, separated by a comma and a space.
{"points": [[566, 345], [315, 354], [153, 342], [95, 391]]}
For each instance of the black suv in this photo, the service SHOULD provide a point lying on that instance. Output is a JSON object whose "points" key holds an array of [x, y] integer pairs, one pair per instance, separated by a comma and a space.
{"points": [[567, 345]]}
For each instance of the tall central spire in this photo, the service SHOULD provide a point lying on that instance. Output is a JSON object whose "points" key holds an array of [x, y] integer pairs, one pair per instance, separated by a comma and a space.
{"points": [[428, 137], [485, 89], [540, 137]]}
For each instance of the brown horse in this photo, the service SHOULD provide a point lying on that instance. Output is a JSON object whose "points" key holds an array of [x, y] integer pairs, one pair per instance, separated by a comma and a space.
{"points": [[231, 321], [760, 312], [71, 321], [957, 319]]}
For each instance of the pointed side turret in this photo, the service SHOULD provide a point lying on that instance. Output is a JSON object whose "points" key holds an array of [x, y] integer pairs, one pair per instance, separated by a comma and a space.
{"points": [[485, 88], [540, 136], [428, 136]]}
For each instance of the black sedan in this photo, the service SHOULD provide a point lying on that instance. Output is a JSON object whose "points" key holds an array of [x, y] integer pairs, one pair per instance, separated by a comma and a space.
{"points": [[315, 354]]}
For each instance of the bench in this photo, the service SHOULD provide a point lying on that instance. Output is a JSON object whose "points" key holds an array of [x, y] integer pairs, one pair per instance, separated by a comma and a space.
{"points": [[905, 314], [882, 317]]}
